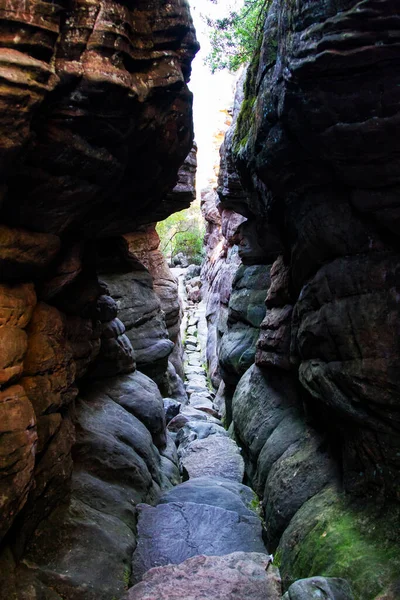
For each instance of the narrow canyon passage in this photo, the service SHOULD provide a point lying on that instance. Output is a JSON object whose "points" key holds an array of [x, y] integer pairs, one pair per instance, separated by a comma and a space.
{"points": [[228, 429]]}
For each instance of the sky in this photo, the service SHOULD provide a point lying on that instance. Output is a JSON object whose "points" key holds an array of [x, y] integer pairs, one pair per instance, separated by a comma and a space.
{"points": [[213, 94]]}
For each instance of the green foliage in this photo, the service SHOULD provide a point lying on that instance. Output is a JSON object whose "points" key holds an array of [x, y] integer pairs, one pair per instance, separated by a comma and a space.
{"points": [[127, 577], [182, 232], [236, 37]]}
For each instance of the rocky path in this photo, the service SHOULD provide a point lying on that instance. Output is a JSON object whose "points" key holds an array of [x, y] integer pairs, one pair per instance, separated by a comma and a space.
{"points": [[204, 540]]}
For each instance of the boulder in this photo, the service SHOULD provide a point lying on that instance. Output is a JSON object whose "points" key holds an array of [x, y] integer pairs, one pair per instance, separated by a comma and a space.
{"points": [[232, 577], [139, 395], [215, 456], [194, 430], [261, 401], [214, 492], [172, 408], [171, 533], [319, 588]]}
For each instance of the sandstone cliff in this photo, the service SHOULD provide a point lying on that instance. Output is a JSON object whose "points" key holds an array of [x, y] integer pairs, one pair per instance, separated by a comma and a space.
{"points": [[311, 162], [95, 122]]}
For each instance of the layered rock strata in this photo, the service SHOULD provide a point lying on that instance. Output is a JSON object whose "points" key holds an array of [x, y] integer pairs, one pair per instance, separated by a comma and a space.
{"points": [[311, 163], [95, 123]]}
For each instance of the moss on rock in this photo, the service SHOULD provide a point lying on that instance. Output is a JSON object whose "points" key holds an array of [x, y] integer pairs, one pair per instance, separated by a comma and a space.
{"points": [[331, 537]]}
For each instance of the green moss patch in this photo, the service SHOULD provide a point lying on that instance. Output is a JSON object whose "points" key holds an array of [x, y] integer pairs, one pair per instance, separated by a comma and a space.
{"points": [[332, 537]]}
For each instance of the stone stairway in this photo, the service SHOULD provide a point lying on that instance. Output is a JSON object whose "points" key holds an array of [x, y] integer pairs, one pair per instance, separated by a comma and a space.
{"points": [[204, 539]]}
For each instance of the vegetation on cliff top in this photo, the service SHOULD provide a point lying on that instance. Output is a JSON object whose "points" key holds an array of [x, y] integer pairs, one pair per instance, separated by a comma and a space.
{"points": [[235, 38]]}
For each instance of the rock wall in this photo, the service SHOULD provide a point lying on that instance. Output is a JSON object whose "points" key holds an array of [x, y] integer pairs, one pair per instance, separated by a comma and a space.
{"points": [[311, 162], [95, 122]]}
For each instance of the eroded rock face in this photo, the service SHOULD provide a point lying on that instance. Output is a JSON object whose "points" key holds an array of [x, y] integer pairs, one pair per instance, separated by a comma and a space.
{"points": [[95, 123], [92, 77], [311, 163], [323, 168], [246, 311]]}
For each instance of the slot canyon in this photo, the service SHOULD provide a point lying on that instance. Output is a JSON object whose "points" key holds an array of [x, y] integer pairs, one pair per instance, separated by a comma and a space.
{"points": [[222, 431]]}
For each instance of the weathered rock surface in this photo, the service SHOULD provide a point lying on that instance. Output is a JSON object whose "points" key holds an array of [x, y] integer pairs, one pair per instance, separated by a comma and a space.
{"points": [[116, 466], [214, 455], [335, 535], [232, 577], [319, 588], [19, 438], [311, 169], [197, 430], [212, 491], [218, 272], [171, 533], [312, 165], [245, 313], [95, 123], [145, 58]]}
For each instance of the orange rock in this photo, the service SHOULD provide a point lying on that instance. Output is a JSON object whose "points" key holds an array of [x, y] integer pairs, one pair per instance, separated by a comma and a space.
{"points": [[13, 345], [49, 369], [16, 304], [17, 452], [23, 251]]}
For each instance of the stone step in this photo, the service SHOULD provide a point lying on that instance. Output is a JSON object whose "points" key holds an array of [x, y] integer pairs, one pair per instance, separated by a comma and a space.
{"points": [[171, 533], [215, 492], [237, 576], [216, 456]]}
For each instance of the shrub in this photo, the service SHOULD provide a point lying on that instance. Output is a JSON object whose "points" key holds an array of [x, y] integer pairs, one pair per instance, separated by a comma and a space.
{"points": [[235, 38], [182, 232]]}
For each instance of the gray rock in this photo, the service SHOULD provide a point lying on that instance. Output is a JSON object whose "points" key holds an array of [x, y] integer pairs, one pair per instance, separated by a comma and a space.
{"points": [[175, 387], [194, 370], [171, 533], [206, 395], [195, 414], [140, 396], [139, 308], [291, 429], [245, 493], [82, 551], [319, 588], [117, 498], [106, 309], [233, 577], [260, 402], [303, 470], [170, 450], [196, 388], [192, 271], [114, 445], [211, 491], [170, 475], [237, 352], [194, 430], [172, 408], [215, 456], [204, 405]]}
